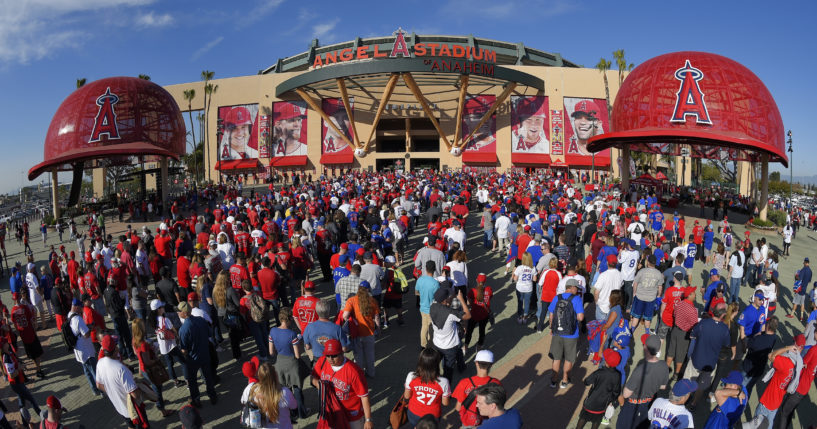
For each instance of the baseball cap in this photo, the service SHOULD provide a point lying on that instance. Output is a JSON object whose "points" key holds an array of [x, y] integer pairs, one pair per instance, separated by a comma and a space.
{"points": [[734, 377], [344, 246], [800, 340], [365, 284], [805, 259], [343, 259], [684, 387], [183, 307], [481, 278], [760, 295], [611, 357], [76, 302], [457, 223], [623, 338], [332, 347], [361, 251], [192, 296], [156, 304], [652, 342], [109, 343], [391, 259], [484, 356], [612, 260], [53, 402], [309, 284], [586, 107], [442, 294], [571, 283], [713, 272], [527, 228]]}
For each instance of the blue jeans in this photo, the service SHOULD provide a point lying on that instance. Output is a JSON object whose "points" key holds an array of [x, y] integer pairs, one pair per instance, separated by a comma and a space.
{"points": [[523, 303], [275, 306], [192, 376], [734, 289], [761, 412], [141, 313], [600, 315], [120, 325], [89, 368], [160, 403], [487, 238], [174, 355], [261, 337]]}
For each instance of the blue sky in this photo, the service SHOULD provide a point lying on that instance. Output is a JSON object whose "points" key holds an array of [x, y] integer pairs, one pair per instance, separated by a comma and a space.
{"points": [[45, 45]]}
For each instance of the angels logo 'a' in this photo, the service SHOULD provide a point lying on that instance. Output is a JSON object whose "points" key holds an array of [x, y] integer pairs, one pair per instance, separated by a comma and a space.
{"points": [[400, 47], [105, 121], [690, 99]]}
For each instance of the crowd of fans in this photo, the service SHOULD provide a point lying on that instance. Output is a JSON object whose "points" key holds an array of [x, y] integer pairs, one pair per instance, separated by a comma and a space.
{"points": [[589, 268]]}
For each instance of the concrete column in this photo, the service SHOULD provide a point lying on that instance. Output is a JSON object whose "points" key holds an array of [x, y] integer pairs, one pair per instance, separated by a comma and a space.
{"points": [[625, 168], [100, 181], [163, 179], [762, 205], [55, 202]]}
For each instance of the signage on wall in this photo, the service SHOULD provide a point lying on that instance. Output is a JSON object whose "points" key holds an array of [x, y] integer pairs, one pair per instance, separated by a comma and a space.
{"points": [[439, 57], [689, 100], [557, 134]]}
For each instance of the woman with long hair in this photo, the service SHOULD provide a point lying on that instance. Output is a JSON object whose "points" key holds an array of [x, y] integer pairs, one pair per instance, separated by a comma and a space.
{"points": [[166, 335], [147, 357], [524, 276], [258, 330], [228, 307], [271, 398], [284, 345], [362, 311], [425, 390], [719, 260], [479, 299], [459, 271], [613, 317], [546, 289]]}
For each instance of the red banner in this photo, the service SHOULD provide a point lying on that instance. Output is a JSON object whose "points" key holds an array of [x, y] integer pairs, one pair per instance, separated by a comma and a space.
{"points": [[557, 134], [588, 118], [484, 140], [264, 135], [240, 128], [288, 129], [334, 148]]}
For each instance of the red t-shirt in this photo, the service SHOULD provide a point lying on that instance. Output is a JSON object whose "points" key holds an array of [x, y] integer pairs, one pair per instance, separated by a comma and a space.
{"points": [[550, 285], [162, 244], [304, 310], [673, 295], [808, 372], [183, 272], [350, 385], [237, 274], [24, 321], [90, 316], [480, 310], [470, 416], [776, 389], [427, 398], [144, 348], [268, 282]]}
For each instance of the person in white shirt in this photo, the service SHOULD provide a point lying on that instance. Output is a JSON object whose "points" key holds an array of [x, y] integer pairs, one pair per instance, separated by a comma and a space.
{"points": [[84, 349], [115, 379], [607, 282], [525, 276], [628, 258], [455, 234], [35, 293], [736, 263], [788, 232], [636, 229], [572, 273], [502, 235], [166, 335]]}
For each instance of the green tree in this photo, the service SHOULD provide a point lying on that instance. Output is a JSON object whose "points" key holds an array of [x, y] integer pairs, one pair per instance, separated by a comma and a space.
{"points": [[189, 95], [710, 173], [604, 66], [81, 82], [144, 77], [774, 176], [206, 75], [622, 65]]}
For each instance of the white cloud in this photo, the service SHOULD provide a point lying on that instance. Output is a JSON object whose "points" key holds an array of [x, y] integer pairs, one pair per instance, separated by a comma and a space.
{"points": [[324, 31], [34, 29], [261, 9], [509, 9], [204, 49], [151, 19]]}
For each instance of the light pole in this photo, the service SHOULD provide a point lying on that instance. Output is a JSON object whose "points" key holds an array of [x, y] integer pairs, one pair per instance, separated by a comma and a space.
{"points": [[791, 170]]}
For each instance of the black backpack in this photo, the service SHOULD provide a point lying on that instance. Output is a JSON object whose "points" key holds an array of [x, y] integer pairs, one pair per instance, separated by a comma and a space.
{"points": [[564, 319], [68, 336]]}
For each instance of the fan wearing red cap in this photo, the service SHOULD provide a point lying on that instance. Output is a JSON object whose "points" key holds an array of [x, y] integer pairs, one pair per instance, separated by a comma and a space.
{"points": [[480, 299], [608, 281], [606, 384], [113, 377], [350, 383]]}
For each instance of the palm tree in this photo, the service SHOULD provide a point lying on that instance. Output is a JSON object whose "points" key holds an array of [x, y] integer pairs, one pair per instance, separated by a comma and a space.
{"points": [[81, 82], [603, 66], [144, 77], [189, 95], [622, 65], [206, 75], [210, 89]]}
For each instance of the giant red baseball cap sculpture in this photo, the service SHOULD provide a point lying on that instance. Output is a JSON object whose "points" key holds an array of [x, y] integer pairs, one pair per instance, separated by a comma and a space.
{"points": [[713, 104]]}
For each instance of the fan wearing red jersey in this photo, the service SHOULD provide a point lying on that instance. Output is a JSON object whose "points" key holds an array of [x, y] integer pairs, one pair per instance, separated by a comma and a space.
{"points": [[425, 390], [346, 380], [304, 309]]}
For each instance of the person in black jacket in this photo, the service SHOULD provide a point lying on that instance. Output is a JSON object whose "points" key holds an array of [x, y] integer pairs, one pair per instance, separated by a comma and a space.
{"points": [[61, 301], [606, 382], [116, 309]]}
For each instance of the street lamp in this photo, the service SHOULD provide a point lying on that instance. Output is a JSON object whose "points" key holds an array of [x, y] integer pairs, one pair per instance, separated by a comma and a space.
{"points": [[791, 170]]}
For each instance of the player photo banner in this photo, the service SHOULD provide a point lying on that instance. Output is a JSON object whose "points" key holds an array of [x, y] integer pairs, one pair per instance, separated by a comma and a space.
{"points": [[288, 129], [484, 140], [588, 117], [557, 134], [529, 132], [240, 138], [331, 142]]}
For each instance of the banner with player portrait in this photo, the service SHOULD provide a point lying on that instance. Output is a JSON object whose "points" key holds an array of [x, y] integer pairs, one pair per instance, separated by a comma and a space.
{"points": [[334, 148], [288, 129], [529, 129], [557, 134], [588, 117], [484, 140], [240, 132]]}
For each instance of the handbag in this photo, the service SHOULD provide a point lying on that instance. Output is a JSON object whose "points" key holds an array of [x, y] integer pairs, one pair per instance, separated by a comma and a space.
{"points": [[398, 416], [156, 372]]}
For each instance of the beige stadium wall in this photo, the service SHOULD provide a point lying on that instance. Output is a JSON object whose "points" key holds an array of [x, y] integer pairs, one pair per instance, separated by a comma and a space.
{"points": [[559, 83]]}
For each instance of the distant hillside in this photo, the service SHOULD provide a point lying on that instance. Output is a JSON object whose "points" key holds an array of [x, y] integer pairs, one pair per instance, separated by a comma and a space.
{"points": [[805, 180]]}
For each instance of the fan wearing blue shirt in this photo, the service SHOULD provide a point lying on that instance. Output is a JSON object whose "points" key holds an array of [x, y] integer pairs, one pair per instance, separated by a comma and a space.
{"points": [[490, 401], [690, 252], [712, 287], [753, 318], [731, 400]]}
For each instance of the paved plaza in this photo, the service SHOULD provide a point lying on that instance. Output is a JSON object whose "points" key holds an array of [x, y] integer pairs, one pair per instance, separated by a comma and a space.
{"points": [[522, 354]]}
